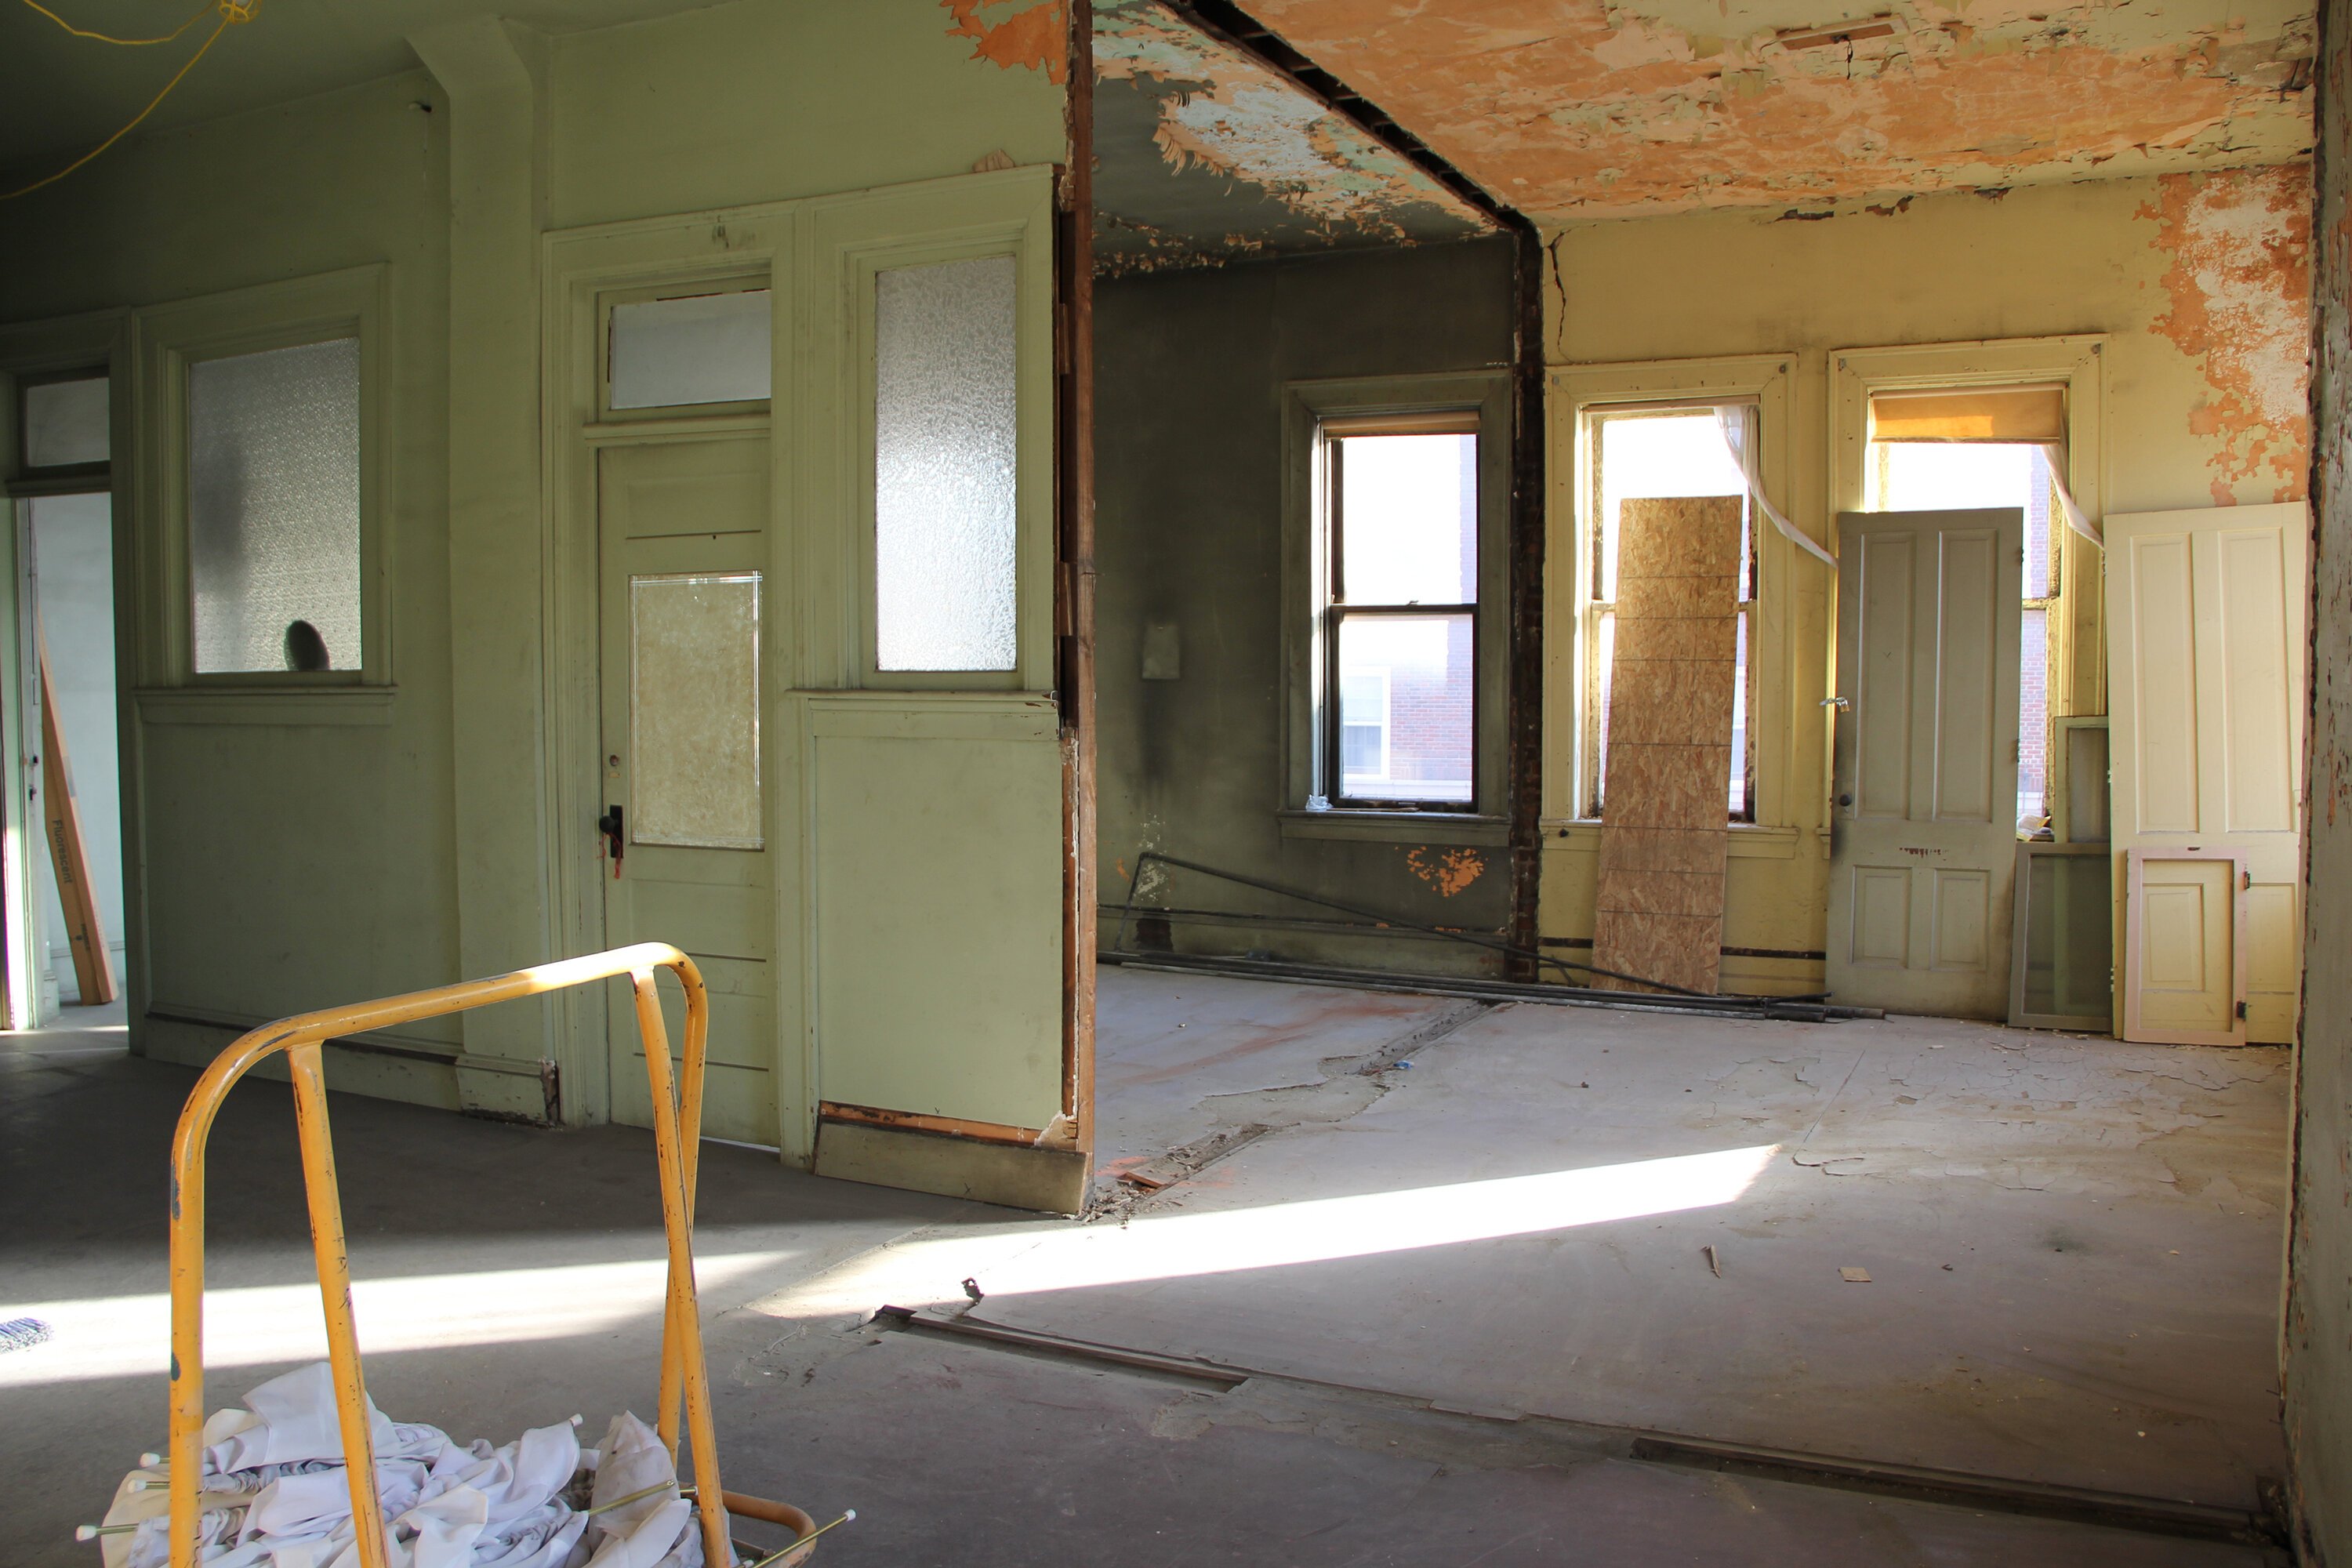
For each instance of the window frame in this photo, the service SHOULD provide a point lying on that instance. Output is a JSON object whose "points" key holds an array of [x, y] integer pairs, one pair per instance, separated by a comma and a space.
{"points": [[1311, 739], [1331, 433], [166, 340], [2074, 631], [1571, 761], [740, 282], [63, 477]]}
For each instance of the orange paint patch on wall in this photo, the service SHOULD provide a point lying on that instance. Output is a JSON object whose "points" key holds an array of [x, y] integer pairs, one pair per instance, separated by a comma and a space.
{"points": [[1449, 873], [2238, 243], [1029, 33]]}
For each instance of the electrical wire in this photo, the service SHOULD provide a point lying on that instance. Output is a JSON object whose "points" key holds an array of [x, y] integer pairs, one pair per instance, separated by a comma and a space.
{"points": [[231, 12], [127, 43]]}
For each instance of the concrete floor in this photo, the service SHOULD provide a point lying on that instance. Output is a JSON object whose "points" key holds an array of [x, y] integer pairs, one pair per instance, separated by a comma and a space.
{"points": [[1506, 1232]]}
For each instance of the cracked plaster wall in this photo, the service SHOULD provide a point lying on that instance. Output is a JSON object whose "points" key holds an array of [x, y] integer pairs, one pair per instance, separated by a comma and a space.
{"points": [[2200, 280], [1578, 109]]}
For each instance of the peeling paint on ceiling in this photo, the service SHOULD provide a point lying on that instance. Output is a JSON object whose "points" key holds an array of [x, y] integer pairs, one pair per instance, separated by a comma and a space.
{"points": [[1206, 156], [2240, 282], [1583, 109]]}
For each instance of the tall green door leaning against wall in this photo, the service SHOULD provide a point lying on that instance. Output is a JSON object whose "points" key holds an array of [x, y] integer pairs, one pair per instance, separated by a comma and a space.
{"points": [[1924, 834], [804, 515]]}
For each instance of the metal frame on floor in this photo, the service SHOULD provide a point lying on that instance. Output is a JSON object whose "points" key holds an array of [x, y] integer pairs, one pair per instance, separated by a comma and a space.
{"points": [[678, 1127]]}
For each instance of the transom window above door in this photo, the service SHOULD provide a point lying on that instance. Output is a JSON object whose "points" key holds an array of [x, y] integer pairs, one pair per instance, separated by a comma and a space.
{"points": [[706, 349]]}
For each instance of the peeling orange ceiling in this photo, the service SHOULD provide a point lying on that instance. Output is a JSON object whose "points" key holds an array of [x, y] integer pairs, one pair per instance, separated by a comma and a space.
{"points": [[1581, 109]]}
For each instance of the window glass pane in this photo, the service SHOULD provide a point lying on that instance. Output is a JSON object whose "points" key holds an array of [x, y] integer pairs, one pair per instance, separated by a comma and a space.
{"points": [[945, 436], [1920, 476], [66, 422], [2069, 944], [2032, 717], [1408, 678], [1408, 520], [1740, 718], [274, 509], [707, 348], [1639, 457], [694, 711], [1604, 658]]}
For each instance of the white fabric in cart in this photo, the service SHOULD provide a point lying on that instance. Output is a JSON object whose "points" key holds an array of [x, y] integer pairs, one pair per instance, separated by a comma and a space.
{"points": [[448, 1505]]}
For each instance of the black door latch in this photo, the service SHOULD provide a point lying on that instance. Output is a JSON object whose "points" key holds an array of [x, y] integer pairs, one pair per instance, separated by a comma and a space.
{"points": [[615, 840]]}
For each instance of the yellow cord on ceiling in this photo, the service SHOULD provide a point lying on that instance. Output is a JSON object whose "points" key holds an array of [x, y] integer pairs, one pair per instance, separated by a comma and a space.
{"points": [[231, 11], [129, 43]]}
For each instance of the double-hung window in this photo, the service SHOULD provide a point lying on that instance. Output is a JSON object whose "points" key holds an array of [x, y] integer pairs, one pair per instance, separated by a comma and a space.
{"points": [[1399, 611]]}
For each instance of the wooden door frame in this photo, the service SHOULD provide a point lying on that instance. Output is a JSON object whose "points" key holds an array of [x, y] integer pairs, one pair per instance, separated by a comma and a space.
{"points": [[580, 268], [96, 341]]}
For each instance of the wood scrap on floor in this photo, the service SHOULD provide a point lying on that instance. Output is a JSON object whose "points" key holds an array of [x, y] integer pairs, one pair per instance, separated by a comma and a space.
{"points": [[1665, 803]]}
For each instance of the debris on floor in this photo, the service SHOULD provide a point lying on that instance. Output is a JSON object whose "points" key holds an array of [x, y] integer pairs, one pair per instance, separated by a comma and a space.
{"points": [[274, 1490], [1854, 1276], [22, 1333]]}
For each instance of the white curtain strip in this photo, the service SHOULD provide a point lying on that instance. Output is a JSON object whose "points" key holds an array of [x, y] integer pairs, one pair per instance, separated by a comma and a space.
{"points": [[2053, 461], [1737, 421]]}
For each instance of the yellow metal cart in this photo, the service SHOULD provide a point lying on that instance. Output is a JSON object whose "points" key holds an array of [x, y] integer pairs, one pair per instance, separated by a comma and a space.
{"points": [[678, 1126]]}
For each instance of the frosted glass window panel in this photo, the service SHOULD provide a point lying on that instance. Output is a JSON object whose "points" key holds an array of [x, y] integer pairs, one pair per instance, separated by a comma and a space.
{"points": [[1408, 518], [945, 437], [274, 509], [694, 711], [1406, 703], [705, 348], [66, 423]]}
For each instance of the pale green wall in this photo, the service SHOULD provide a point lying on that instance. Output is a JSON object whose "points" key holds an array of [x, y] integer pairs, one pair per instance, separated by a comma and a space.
{"points": [[770, 99], [287, 866], [292, 867]]}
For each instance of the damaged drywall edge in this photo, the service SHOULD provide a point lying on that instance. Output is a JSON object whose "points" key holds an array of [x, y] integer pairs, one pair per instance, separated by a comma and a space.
{"points": [[1222, 111], [1595, 110], [2237, 244]]}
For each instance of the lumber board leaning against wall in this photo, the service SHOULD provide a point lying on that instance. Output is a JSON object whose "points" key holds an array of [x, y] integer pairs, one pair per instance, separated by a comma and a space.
{"points": [[1665, 809]]}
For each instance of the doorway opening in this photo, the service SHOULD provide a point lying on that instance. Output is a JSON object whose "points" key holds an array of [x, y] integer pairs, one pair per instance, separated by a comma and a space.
{"points": [[66, 545]]}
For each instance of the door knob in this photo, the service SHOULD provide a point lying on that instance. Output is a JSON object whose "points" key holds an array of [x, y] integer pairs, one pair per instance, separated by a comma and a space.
{"points": [[1839, 703], [615, 839]]}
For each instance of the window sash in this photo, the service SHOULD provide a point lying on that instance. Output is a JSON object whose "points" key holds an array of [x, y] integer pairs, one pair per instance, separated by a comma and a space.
{"points": [[1335, 780]]}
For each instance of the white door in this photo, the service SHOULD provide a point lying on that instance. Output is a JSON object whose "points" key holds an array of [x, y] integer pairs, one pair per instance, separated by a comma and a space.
{"points": [[2205, 681], [1923, 832], [683, 530]]}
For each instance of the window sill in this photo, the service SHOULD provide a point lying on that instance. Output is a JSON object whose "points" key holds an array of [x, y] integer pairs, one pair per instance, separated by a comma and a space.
{"points": [[1743, 840], [266, 705], [1395, 826]]}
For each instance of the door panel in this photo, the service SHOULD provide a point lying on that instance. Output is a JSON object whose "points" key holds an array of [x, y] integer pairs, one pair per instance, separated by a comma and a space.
{"points": [[1968, 682], [2205, 657], [683, 536], [923, 811], [2185, 958], [1924, 843], [2162, 680]]}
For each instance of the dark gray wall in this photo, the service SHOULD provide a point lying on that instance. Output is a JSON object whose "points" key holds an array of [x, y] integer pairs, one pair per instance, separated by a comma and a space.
{"points": [[2318, 1340], [1190, 368]]}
